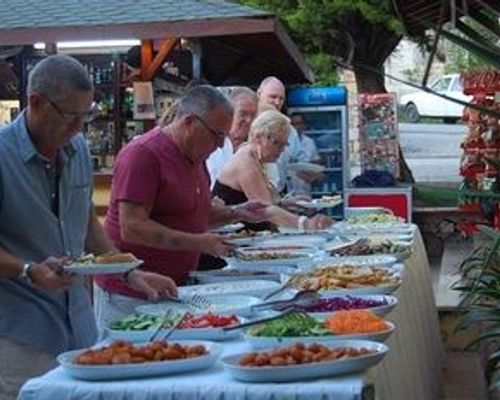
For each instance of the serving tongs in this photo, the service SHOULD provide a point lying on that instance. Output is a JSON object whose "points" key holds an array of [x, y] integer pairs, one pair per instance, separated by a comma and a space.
{"points": [[291, 311], [195, 301], [303, 298]]}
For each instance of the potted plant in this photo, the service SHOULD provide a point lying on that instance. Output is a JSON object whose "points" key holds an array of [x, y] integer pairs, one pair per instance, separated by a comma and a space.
{"points": [[481, 287]]}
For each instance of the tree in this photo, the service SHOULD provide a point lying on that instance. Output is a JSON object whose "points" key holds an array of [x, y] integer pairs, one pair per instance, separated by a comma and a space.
{"points": [[362, 33]]}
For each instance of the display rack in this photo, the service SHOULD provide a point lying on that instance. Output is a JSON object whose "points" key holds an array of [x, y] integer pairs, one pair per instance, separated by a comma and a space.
{"points": [[479, 166]]}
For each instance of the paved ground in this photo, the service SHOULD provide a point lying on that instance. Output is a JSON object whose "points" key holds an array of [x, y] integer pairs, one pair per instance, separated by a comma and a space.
{"points": [[433, 150]]}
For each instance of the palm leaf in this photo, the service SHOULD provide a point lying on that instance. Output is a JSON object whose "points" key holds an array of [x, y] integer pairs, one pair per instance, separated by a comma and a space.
{"points": [[488, 334]]}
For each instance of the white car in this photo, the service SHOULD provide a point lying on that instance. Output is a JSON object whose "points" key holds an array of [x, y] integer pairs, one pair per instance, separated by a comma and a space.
{"points": [[422, 104]]}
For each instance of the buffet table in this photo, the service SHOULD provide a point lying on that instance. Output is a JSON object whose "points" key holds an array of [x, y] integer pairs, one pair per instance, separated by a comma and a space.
{"points": [[411, 369]]}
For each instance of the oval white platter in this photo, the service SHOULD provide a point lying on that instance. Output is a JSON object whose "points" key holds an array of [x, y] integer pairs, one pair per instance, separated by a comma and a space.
{"points": [[243, 275], [392, 302], [382, 289], [302, 372], [264, 342], [236, 262], [362, 261], [257, 288], [220, 304], [216, 334], [313, 240], [130, 371], [101, 269]]}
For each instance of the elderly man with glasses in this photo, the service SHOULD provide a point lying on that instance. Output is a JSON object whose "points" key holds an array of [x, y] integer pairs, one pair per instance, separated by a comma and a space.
{"points": [[47, 218], [161, 205]]}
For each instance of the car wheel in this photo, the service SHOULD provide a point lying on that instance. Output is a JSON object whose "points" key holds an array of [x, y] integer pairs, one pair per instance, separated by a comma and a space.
{"points": [[411, 112]]}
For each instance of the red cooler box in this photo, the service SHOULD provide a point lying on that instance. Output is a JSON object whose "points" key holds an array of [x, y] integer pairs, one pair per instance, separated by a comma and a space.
{"points": [[398, 199]]}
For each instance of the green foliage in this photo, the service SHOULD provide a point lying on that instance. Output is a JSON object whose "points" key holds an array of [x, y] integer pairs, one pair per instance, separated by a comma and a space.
{"points": [[326, 30], [481, 286], [324, 68]]}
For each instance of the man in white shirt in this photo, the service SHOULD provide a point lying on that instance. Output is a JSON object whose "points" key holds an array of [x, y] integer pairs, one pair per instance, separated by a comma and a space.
{"points": [[244, 101], [271, 92], [301, 181]]}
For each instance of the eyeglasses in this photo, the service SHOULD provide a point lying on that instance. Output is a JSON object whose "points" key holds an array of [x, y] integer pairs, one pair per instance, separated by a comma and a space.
{"points": [[218, 136], [68, 117]]}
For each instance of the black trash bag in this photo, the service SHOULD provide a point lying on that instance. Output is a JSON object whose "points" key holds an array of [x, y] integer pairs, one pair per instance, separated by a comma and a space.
{"points": [[374, 178]]}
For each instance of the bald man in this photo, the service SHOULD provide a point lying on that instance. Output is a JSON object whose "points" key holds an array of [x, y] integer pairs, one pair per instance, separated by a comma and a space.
{"points": [[271, 93]]}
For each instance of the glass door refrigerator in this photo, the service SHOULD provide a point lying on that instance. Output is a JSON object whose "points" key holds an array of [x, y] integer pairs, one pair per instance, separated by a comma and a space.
{"points": [[324, 111]]}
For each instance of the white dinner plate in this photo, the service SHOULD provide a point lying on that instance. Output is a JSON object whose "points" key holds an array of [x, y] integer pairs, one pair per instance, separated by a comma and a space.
{"points": [[229, 228], [215, 334], [130, 371], [306, 372], [101, 269], [392, 301], [318, 204], [305, 167], [264, 342], [220, 304]]}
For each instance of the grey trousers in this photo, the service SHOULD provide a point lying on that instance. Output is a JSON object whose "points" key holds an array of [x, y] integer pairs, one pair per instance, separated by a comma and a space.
{"points": [[18, 363]]}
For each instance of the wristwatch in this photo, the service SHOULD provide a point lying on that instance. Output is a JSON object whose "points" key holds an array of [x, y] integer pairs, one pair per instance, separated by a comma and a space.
{"points": [[25, 273]]}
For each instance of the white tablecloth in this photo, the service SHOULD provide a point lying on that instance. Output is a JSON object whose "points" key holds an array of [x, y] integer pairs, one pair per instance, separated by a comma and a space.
{"points": [[410, 371]]}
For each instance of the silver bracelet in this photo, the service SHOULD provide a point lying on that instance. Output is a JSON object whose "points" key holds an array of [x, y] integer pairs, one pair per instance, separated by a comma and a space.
{"points": [[301, 224]]}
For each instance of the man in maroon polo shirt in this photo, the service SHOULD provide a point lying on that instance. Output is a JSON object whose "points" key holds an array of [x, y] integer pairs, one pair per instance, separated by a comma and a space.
{"points": [[160, 199]]}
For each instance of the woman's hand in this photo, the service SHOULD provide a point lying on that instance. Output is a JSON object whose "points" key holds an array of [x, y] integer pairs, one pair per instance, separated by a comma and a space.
{"points": [[318, 222], [155, 286]]}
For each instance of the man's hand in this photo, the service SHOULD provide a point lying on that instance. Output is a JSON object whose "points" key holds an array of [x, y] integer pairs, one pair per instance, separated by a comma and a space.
{"points": [[251, 211], [155, 286], [210, 243], [46, 275], [318, 222]]}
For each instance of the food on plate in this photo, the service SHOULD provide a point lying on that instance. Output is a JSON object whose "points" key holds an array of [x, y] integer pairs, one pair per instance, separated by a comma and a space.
{"points": [[115, 258], [299, 353], [267, 255], [331, 277], [139, 322], [291, 325], [355, 321], [279, 247], [247, 233], [343, 303], [366, 246], [303, 325], [328, 199], [371, 218], [108, 258], [122, 352]]}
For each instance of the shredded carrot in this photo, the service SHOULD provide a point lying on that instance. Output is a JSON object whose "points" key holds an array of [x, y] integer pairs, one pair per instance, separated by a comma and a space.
{"points": [[355, 321]]}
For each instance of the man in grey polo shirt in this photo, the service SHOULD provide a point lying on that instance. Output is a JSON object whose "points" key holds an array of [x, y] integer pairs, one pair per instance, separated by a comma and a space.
{"points": [[46, 216]]}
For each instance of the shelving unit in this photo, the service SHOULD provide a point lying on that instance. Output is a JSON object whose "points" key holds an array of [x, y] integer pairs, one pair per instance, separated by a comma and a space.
{"points": [[324, 110], [480, 189]]}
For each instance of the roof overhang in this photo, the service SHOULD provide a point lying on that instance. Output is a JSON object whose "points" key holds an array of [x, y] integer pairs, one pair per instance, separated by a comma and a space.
{"points": [[260, 40]]}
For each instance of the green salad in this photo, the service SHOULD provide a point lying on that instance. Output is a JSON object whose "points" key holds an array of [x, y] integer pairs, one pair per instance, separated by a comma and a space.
{"points": [[290, 326], [140, 322]]}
